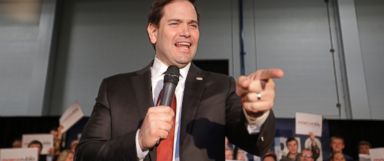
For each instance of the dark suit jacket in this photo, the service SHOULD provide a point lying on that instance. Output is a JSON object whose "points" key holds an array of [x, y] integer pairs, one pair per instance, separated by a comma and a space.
{"points": [[211, 110]]}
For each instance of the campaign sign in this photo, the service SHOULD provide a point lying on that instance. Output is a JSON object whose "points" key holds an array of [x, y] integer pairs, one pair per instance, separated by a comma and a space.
{"points": [[19, 154]]}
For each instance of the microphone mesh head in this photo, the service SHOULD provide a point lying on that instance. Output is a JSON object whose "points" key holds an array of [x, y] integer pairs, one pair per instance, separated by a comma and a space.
{"points": [[172, 75]]}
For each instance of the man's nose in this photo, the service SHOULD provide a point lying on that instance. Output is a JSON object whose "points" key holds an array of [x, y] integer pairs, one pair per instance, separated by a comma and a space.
{"points": [[185, 31]]}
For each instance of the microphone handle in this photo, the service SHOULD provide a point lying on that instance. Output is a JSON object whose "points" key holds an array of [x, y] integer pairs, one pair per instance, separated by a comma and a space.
{"points": [[168, 92], [166, 100]]}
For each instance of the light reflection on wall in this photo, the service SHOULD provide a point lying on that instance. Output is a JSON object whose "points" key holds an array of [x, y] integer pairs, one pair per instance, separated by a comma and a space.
{"points": [[20, 11]]}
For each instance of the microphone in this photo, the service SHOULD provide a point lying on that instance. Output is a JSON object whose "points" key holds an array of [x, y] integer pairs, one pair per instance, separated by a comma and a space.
{"points": [[171, 78]]}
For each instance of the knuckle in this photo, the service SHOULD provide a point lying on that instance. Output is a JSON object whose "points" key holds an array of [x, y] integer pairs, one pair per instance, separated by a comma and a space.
{"points": [[152, 133]]}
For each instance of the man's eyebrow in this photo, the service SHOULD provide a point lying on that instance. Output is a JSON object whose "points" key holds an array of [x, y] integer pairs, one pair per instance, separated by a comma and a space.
{"points": [[179, 20], [193, 21], [174, 20]]}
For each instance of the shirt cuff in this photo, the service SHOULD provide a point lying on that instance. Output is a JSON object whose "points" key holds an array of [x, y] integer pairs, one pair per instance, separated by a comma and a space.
{"points": [[254, 123], [140, 153]]}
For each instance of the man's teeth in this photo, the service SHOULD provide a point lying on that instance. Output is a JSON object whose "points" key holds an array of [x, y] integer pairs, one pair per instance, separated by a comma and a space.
{"points": [[185, 44]]}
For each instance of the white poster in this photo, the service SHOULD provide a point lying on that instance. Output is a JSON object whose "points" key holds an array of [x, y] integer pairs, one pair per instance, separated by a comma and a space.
{"points": [[19, 154], [364, 157], [377, 154], [45, 139], [71, 116], [306, 123], [280, 147]]}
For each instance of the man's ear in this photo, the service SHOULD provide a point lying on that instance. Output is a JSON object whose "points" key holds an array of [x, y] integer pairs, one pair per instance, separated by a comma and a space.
{"points": [[152, 33]]}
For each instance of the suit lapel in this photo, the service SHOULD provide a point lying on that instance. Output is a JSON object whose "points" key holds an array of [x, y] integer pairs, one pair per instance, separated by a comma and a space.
{"points": [[142, 87], [193, 90]]}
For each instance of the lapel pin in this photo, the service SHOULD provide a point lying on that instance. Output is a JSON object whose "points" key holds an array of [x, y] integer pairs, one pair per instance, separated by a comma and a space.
{"points": [[199, 78]]}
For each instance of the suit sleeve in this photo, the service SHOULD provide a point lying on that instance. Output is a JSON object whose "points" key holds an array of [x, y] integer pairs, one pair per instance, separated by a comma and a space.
{"points": [[236, 126], [96, 143]]}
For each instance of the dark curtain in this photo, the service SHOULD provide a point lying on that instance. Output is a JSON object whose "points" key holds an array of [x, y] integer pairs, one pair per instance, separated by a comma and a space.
{"points": [[12, 128]]}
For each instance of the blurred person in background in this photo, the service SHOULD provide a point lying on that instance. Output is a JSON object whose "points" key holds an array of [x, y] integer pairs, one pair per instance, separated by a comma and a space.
{"points": [[364, 147], [270, 156], [293, 153], [37, 144], [68, 154], [306, 155], [314, 145], [338, 157], [16, 143], [337, 146], [228, 150]]}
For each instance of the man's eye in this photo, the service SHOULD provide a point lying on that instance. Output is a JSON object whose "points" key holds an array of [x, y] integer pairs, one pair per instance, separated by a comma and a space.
{"points": [[194, 26]]}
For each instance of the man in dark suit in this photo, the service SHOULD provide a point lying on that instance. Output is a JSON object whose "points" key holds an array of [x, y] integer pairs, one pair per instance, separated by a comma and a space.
{"points": [[126, 124]]}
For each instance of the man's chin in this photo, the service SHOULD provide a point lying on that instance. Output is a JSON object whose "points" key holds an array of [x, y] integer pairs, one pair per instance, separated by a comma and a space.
{"points": [[182, 64]]}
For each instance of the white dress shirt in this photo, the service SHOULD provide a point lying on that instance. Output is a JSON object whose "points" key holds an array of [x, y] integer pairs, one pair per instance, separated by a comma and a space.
{"points": [[157, 76]]}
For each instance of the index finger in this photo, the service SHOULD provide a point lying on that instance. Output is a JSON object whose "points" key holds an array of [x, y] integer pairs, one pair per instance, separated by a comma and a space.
{"points": [[271, 73]]}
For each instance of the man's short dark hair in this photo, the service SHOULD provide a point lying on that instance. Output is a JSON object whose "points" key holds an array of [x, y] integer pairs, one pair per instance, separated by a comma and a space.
{"points": [[156, 11], [364, 142], [270, 154], [35, 142], [337, 137], [291, 139]]}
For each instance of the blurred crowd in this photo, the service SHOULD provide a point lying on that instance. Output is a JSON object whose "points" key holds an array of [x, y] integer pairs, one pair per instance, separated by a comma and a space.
{"points": [[57, 153], [312, 151]]}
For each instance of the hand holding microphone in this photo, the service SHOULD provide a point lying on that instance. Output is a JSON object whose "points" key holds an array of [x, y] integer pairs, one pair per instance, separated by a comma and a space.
{"points": [[159, 119]]}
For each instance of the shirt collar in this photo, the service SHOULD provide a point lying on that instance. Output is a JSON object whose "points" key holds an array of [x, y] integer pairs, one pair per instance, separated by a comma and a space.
{"points": [[159, 68]]}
